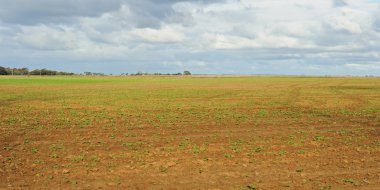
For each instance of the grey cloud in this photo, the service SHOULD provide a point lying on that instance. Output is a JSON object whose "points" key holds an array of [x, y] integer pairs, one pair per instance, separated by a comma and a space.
{"points": [[151, 13], [42, 11], [376, 22], [339, 3], [146, 13]]}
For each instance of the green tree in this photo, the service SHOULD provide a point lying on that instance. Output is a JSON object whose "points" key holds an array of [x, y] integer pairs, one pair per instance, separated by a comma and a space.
{"points": [[186, 73], [35, 72], [3, 71], [24, 71]]}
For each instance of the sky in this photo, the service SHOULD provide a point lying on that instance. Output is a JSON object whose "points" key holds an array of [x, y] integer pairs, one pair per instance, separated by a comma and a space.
{"points": [[292, 37]]}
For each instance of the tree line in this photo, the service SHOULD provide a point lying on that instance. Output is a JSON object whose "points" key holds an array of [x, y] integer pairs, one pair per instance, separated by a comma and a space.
{"points": [[25, 71]]}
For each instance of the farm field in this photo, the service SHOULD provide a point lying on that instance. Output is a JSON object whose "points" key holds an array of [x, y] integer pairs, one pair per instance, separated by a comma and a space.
{"points": [[189, 133]]}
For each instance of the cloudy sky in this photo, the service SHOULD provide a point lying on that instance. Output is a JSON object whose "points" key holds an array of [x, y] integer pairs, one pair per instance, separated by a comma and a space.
{"points": [[312, 37]]}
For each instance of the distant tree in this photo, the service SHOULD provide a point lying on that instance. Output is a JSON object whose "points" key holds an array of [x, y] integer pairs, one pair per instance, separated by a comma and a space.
{"points": [[43, 72], [3, 71], [24, 71], [10, 71], [64, 73], [35, 72], [186, 73]]}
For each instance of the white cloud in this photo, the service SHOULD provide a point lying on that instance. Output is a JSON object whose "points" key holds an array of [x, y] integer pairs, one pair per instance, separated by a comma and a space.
{"points": [[220, 41], [271, 23], [166, 34], [48, 38], [364, 67], [349, 20]]}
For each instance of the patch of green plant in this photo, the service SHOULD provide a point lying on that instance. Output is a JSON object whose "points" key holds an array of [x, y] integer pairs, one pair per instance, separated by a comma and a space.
{"points": [[130, 135], [34, 150], [133, 145], [262, 113], [301, 152], [78, 158], [282, 152], [351, 181], [235, 145], [183, 144], [319, 138], [94, 158], [257, 149], [163, 169], [299, 169], [198, 149], [291, 142], [55, 147], [53, 155], [252, 186]]}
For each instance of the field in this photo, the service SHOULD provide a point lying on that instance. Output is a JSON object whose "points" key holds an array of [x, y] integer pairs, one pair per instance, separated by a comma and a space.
{"points": [[189, 133]]}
